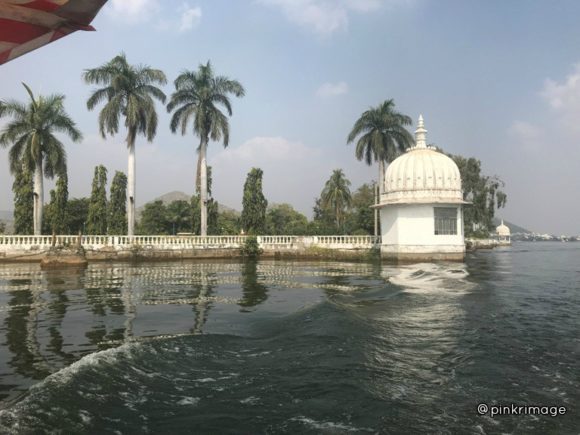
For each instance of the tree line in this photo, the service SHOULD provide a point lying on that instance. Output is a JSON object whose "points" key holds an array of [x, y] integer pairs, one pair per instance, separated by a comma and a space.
{"points": [[128, 94], [201, 104]]}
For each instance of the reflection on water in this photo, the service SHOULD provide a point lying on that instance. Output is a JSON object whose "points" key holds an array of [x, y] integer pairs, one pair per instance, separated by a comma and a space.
{"points": [[294, 347], [53, 318]]}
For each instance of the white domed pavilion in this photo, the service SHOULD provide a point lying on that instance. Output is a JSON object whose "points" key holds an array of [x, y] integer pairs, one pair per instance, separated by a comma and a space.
{"points": [[421, 205], [503, 233]]}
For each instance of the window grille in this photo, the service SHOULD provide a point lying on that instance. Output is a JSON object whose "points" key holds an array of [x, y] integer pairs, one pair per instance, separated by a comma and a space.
{"points": [[445, 220]]}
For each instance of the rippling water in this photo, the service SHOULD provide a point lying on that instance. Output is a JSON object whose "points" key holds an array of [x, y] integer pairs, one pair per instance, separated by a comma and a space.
{"points": [[293, 347]]}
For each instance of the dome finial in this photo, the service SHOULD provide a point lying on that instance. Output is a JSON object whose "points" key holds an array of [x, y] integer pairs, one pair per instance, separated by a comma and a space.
{"points": [[420, 134]]}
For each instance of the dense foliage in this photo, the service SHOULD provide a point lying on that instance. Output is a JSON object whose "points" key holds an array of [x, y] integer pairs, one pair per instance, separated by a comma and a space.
{"points": [[485, 194], [358, 217], [179, 216], [97, 218], [55, 216], [251, 248], [254, 204], [154, 219], [282, 219], [23, 201], [77, 213], [117, 212], [59, 214], [228, 223]]}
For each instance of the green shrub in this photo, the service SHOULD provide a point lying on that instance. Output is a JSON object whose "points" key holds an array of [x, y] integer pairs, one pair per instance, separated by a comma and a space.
{"points": [[251, 248]]}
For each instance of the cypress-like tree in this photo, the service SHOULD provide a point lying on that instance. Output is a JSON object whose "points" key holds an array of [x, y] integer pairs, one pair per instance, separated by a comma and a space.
{"points": [[23, 201], [97, 219], [77, 213], [59, 213], [118, 205], [48, 214], [254, 203]]}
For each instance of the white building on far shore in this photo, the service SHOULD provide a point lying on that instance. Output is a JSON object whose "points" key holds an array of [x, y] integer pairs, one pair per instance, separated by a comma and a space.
{"points": [[421, 205], [503, 234]]}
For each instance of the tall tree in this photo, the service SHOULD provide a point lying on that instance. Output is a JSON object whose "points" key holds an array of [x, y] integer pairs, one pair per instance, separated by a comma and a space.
{"points": [[323, 222], [129, 91], [23, 201], [77, 213], [198, 97], [254, 203], [59, 214], [31, 133], [336, 195], [48, 213], [117, 213], [360, 217], [97, 218], [484, 193], [381, 136]]}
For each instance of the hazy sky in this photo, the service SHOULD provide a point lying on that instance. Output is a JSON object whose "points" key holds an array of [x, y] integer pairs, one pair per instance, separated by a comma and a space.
{"points": [[497, 80]]}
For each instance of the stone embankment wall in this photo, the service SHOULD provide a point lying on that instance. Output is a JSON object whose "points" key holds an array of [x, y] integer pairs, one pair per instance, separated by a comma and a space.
{"points": [[125, 248]]}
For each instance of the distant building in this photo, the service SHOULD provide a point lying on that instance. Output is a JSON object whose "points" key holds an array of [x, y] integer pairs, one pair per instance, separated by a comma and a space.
{"points": [[421, 205], [503, 234]]}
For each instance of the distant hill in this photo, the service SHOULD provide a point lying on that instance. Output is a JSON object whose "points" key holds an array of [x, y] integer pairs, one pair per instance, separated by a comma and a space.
{"points": [[168, 198], [513, 227]]}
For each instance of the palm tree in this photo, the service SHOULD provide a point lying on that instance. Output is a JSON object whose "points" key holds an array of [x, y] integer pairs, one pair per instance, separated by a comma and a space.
{"points": [[336, 195], [382, 136], [129, 92], [34, 145], [198, 97]]}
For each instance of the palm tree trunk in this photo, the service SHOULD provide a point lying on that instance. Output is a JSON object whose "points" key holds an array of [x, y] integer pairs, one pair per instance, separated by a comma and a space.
{"points": [[38, 198], [381, 177], [203, 186], [380, 190], [131, 184], [376, 198]]}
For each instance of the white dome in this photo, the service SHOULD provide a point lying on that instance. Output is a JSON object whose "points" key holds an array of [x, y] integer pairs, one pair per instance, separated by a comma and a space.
{"points": [[422, 175], [502, 230]]}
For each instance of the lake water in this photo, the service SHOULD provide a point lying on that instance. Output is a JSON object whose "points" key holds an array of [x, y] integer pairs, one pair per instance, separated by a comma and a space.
{"points": [[294, 347]]}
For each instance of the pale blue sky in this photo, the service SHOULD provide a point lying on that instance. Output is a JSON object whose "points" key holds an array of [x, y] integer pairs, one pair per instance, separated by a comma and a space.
{"points": [[497, 80]]}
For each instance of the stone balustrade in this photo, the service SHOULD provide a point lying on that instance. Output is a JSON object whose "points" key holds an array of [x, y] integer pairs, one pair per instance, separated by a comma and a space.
{"points": [[26, 243]]}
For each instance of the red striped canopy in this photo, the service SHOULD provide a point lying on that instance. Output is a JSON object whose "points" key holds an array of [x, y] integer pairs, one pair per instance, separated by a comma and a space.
{"points": [[26, 25]]}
